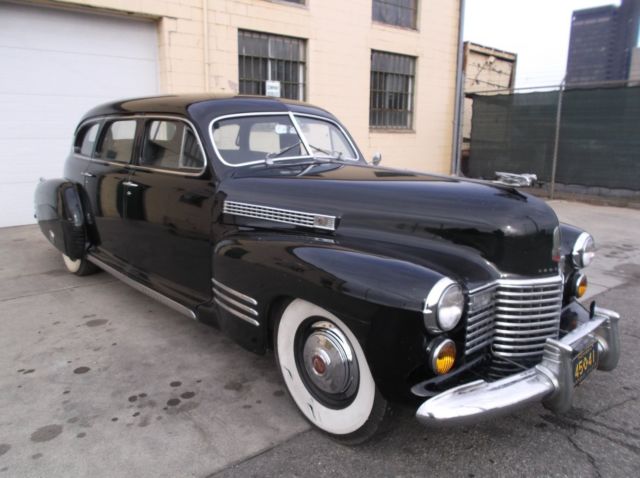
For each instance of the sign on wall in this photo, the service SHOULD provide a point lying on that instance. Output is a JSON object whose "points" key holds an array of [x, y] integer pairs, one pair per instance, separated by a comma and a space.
{"points": [[272, 88]]}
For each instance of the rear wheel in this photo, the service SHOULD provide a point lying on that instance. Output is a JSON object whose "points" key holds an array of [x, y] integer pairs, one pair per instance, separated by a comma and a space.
{"points": [[326, 373], [79, 267]]}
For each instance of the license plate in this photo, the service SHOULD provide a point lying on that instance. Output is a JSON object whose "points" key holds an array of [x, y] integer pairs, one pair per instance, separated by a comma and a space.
{"points": [[585, 362]]}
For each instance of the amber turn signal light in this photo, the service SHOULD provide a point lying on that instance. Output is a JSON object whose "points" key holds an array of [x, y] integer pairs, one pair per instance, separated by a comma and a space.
{"points": [[443, 356], [580, 285]]}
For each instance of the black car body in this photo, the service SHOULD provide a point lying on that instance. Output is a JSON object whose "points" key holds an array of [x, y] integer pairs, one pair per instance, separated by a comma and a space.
{"points": [[370, 283]]}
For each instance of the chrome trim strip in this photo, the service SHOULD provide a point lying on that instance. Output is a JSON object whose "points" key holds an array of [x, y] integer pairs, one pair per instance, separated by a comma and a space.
{"points": [[236, 313], [291, 115], [231, 291], [237, 304], [285, 216], [133, 166], [143, 288]]}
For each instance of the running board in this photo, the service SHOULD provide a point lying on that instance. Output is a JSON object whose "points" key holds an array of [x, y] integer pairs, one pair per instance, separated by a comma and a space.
{"points": [[143, 288]]}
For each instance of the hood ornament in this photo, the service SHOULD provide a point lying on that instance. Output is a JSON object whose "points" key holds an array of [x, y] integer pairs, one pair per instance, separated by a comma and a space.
{"points": [[524, 180]]}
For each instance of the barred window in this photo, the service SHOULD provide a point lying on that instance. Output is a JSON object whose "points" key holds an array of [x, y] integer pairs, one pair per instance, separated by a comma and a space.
{"points": [[263, 57], [391, 100], [402, 13]]}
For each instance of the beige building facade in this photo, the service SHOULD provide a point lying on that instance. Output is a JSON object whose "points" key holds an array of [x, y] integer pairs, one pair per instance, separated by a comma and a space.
{"points": [[385, 68], [198, 52]]}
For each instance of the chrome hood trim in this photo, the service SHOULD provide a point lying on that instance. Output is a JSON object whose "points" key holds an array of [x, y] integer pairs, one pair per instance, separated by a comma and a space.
{"points": [[285, 216]]}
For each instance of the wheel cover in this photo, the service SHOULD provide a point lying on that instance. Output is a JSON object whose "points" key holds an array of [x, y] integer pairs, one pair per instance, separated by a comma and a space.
{"points": [[340, 421], [328, 363]]}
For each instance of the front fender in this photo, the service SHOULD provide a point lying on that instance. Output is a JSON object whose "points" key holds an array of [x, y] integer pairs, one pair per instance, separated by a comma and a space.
{"points": [[60, 215], [380, 298]]}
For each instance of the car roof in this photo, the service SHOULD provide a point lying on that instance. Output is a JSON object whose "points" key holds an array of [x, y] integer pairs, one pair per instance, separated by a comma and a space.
{"points": [[203, 106]]}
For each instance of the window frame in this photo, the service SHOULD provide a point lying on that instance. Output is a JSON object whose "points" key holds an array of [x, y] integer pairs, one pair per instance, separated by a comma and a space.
{"points": [[75, 148], [292, 115], [411, 93], [301, 64], [104, 127], [416, 16], [133, 164], [146, 123]]}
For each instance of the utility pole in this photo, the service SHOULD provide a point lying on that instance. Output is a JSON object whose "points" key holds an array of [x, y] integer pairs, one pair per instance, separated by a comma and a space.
{"points": [[556, 143]]}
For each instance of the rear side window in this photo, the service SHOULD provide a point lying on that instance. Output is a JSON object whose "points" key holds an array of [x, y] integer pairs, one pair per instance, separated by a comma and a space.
{"points": [[117, 141], [171, 145], [85, 139]]}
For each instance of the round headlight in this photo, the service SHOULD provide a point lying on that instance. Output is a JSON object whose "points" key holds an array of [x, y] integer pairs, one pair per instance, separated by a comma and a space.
{"points": [[450, 307], [584, 250], [444, 306]]}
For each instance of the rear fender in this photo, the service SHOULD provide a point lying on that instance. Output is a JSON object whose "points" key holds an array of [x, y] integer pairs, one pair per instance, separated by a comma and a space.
{"points": [[60, 215]]}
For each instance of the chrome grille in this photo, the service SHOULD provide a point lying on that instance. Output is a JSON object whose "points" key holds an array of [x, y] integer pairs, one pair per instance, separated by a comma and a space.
{"points": [[525, 314], [286, 216], [480, 321]]}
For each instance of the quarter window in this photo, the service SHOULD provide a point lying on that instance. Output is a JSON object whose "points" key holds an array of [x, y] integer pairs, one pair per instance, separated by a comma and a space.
{"points": [[85, 139], [171, 145], [401, 13], [391, 99], [277, 59], [117, 141]]}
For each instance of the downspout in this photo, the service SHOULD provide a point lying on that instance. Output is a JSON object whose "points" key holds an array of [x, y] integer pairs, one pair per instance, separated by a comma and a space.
{"points": [[205, 47], [457, 114]]}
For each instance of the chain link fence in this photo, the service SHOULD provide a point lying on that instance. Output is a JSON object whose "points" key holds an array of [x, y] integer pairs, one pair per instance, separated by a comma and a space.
{"points": [[580, 141]]}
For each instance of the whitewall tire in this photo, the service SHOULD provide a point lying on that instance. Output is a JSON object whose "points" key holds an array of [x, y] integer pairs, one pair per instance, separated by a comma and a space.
{"points": [[326, 373], [79, 267]]}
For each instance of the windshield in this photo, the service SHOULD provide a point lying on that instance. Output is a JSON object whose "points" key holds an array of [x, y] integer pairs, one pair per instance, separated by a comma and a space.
{"points": [[245, 140]]}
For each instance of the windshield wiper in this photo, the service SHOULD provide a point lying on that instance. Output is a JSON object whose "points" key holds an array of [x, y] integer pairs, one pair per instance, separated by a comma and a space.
{"points": [[282, 151], [328, 153], [298, 161]]}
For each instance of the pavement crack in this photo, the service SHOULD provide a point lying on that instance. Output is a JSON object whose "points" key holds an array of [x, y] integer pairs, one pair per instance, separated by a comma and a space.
{"points": [[573, 425], [615, 405], [590, 457], [52, 291]]}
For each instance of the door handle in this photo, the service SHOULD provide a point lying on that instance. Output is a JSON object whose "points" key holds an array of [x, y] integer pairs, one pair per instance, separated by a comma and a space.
{"points": [[88, 175], [130, 184]]}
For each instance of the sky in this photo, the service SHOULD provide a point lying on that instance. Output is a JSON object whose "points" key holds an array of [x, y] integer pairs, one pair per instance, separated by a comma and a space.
{"points": [[538, 31]]}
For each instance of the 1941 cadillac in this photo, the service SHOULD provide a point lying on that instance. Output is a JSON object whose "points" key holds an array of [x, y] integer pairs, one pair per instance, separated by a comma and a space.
{"points": [[371, 285]]}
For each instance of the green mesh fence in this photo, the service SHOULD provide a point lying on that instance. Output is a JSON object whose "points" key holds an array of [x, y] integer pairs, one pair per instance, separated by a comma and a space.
{"points": [[599, 139]]}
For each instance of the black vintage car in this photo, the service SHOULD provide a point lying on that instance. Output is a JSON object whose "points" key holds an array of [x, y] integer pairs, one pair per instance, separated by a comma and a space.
{"points": [[370, 284]]}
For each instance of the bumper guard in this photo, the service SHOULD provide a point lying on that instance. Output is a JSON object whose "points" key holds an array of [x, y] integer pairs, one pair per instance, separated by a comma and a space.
{"points": [[551, 381]]}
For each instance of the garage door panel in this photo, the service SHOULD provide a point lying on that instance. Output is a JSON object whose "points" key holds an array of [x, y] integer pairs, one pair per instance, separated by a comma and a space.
{"points": [[57, 65], [73, 74], [92, 34]]}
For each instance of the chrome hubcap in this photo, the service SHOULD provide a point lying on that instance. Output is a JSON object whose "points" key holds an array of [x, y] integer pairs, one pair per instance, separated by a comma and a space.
{"points": [[329, 360]]}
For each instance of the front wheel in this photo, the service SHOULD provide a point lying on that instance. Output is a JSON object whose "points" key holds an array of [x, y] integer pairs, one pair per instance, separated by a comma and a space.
{"points": [[79, 267], [326, 373]]}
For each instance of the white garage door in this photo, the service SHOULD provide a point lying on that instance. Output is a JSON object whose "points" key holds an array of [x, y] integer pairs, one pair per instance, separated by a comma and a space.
{"points": [[54, 66]]}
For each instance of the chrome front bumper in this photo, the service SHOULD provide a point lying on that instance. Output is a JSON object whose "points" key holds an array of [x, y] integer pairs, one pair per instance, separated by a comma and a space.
{"points": [[551, 381]]}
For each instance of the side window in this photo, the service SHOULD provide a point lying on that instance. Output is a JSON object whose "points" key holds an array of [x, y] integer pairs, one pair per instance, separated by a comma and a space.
{"points": [[171, 145], [85, 139], [117, 141]]}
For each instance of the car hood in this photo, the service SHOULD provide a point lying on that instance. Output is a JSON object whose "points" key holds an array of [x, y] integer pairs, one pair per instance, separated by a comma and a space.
{"points": [[511, 230]]}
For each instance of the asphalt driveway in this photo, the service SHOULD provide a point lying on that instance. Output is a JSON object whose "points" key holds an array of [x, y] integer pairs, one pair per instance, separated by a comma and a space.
{"points": [[97, 379]]}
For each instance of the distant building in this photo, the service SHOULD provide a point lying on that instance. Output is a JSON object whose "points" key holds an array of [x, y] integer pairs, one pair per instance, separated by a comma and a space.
{"points": [[485, 69], [602, 39]]}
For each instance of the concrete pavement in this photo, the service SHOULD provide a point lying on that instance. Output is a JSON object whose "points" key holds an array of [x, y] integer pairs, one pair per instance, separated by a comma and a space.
{"points": [[97, 379]]}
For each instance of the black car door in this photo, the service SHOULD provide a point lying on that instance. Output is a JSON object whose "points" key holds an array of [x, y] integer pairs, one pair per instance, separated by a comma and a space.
{"points": [[105, 183], [168, 205]]}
